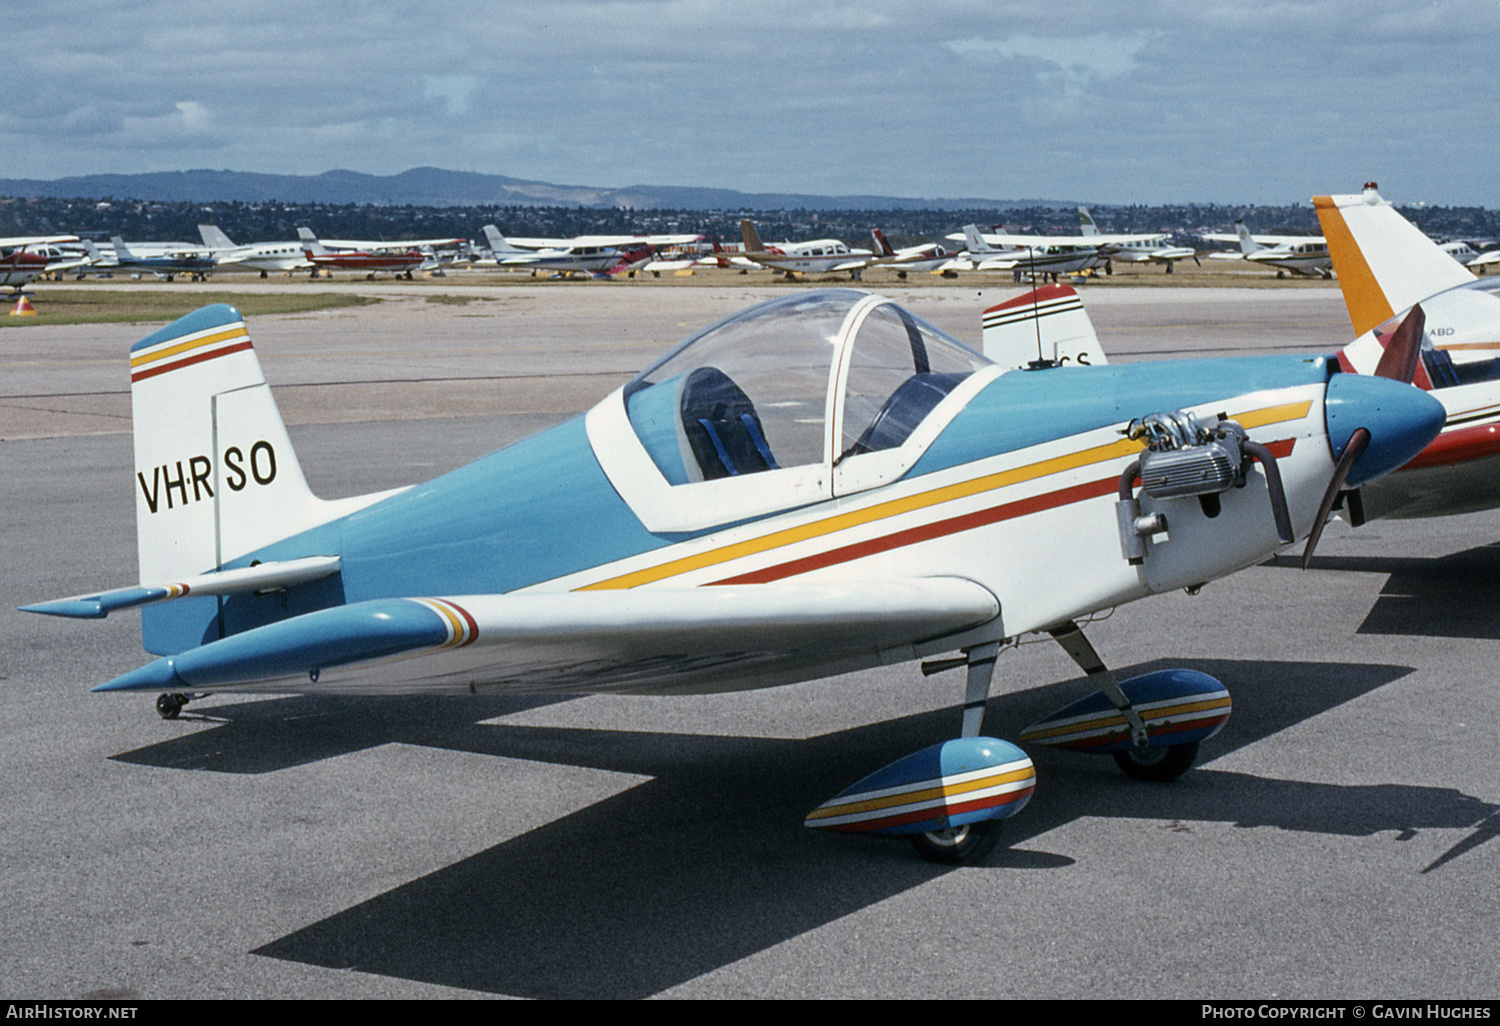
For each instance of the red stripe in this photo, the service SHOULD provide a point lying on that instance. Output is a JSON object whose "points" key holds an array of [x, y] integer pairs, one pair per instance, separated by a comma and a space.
{"points": [[473, 626], [927, 532], [211, 354], [1461, 446], [1084, 744]]}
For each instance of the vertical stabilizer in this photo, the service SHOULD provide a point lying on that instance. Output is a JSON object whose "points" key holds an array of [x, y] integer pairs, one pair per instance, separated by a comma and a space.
{"points": [[1248, 244], [1048, 324], [751, 237], [1384, 263], [310, 243], [1086, 225], [215, 474], [213, 238]]}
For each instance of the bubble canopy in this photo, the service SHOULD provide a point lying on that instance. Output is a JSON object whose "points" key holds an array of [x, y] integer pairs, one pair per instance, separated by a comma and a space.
{"points": [[794, 400]]}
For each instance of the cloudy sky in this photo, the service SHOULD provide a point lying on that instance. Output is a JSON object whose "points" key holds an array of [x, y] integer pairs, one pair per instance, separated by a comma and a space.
{"points": [[1148, 101]]}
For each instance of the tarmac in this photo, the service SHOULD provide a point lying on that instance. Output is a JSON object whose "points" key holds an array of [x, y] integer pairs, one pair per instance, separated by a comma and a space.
{"points": [[623, 847]]}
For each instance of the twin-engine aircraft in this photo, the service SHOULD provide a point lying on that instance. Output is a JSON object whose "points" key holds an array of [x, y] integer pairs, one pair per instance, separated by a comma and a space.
{"points": [[818, 484], [1304, 255], [817, 256]]}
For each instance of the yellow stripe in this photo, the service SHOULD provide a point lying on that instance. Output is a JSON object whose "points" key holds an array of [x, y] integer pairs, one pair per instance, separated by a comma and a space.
{"points": [[1362, 292], [1114, 718], [911, 503], [454, 625], [914, 797], [207, 340]]}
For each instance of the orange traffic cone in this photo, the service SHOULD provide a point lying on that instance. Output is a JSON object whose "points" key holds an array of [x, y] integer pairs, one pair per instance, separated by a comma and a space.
{"points": [[23, 308]]}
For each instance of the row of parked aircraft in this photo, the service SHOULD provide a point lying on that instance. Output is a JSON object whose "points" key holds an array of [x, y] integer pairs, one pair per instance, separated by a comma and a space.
{"points": [[818, 484], [24, 259]]}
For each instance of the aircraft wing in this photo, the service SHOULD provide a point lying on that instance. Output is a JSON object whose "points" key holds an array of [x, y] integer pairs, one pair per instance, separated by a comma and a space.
{"points": [[646, 640], [36, 240]]}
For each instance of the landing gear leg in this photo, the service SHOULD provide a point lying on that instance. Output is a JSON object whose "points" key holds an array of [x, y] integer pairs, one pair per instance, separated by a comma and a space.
{"points": [[1141, 762], [965, 845]]}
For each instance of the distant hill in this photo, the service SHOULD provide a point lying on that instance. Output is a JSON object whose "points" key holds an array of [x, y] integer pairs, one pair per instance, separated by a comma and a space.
{"points": [[435, 187]]}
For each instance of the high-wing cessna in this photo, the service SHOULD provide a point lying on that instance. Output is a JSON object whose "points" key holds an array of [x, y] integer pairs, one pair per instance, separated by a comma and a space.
{"points": [[1387, 267], [583, 259], [818, 484], [1305, 255], [23, 258], [166, 263], [258, 256], [1133, 249], [400, 260], [1029, 254], [818, 256]]}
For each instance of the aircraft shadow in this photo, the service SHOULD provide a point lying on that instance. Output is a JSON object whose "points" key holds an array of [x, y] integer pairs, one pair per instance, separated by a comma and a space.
{"points": [[1453, 596], [707, 862]]}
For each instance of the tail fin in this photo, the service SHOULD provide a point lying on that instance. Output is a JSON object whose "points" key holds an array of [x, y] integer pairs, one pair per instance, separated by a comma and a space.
{"points": [[121, 253], [751, 237], [1248, 244], [1086, 222], [216, 476], [975, 241], [310, 242], [1384, 263], [215, 239], [1047, 324], [882, 247], [498, 243]]}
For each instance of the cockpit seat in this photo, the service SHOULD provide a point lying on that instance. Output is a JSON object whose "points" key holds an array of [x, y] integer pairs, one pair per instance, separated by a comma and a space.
{"points": [[722, 427]]}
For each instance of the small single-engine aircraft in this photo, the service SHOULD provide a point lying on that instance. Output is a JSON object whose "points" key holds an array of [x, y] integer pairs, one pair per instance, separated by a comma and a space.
{"points": [[1032, 255], [24, 258], [1305, 255], [821, 483], [400, 260], [1133, 249], [932, 257], [167, 264], [582, 259], [1386, 267], [817, 256]]}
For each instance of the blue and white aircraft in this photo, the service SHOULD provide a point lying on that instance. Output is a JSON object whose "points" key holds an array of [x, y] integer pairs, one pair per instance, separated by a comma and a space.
{"points": [[818, 484]]}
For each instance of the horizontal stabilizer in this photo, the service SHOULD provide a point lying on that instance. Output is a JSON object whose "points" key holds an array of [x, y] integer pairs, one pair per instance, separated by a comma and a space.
{"points": [[648, 639], [261, 577]]}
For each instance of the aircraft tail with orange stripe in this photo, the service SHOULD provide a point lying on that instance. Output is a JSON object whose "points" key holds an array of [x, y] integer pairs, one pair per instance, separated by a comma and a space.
{"points": [[1384, 263]]}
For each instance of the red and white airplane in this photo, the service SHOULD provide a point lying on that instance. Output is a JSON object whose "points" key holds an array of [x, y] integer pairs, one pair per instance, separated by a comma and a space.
{"points": [[399, 261], [932, 257], [1386, 267], [22, 260]]}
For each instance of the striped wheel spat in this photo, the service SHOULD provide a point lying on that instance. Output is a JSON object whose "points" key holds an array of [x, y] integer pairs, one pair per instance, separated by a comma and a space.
{"points": [[1176, 706], [892, 802]]}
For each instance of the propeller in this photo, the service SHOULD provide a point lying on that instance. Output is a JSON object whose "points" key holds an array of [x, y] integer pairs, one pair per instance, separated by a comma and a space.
{"points": [[1399, 363]]}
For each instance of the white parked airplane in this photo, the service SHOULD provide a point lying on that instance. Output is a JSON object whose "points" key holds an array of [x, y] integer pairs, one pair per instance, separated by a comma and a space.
{"points": [[586, 259], [1029, 254], [1133, 249], [819, 256], [932, 257], [1306, 255], [258, 256]]}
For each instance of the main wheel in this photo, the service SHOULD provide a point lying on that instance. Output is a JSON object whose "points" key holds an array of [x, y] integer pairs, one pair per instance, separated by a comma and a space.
{"points": [[170, 704], [959, 846], [1158, 765]]}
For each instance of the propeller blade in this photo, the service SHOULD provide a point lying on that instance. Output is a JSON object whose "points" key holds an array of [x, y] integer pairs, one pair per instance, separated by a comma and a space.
{"points": [[1358, 442], [1399, 361]]}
